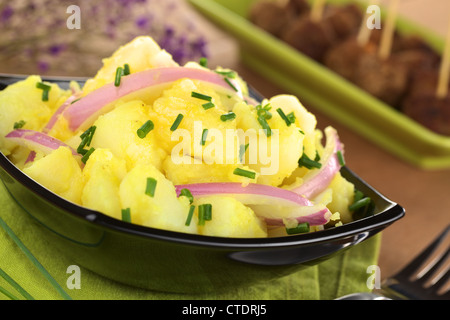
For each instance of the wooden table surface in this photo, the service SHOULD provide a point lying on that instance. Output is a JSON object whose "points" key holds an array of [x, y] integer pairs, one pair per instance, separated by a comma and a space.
{"points": [[424, 194]]}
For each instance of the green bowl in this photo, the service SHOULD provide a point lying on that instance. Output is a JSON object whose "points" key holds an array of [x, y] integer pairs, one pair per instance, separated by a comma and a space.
{"points": [[343, 101]]}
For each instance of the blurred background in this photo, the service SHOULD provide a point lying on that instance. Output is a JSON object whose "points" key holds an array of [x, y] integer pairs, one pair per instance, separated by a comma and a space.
{"points": [[35, 38]]}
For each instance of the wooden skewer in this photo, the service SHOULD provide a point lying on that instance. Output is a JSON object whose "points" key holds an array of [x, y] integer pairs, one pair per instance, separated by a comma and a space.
{"points": [[442, 88], [317, 10], [364, 31], [388, 31]]}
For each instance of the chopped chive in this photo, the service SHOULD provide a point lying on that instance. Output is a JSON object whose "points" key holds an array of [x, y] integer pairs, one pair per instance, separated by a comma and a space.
{"points": [[300, 228], [151, 187], [186, 193], [242, 150], [358, 196], [208, 105], [86, 156], [177, 122], [204, 213], [43, 86], [126, 69], [244, 173], [203, 62], [190, 215], [291, 117], [230, 84], [145, 129], [200, 96], [228, 74], [340, 157], [19, 124], [45, 90], [76, 100], [308, 163], [86, 139], [126, 215], [228, 116], [263, 112], [359, 204], [204, 136], [119, 73], [301, 131], [263, 122], [284, 117]]}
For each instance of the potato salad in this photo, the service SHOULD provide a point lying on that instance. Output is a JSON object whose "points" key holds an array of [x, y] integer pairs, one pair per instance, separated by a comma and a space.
{"points": [[178, 147]]}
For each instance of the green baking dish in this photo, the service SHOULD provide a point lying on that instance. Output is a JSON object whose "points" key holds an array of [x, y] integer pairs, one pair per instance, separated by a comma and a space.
{"points": [[329, 93]]}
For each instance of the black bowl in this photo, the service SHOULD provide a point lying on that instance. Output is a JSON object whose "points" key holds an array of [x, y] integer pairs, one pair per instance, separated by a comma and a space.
{"points": [[176, 262]]}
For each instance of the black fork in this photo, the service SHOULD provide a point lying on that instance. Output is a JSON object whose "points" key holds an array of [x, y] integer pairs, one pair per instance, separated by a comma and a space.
{"points": [[427, 276]]}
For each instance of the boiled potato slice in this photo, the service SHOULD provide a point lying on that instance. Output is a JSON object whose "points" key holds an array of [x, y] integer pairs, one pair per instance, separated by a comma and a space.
{"points": [[117, 131], [102, 176], [22, 101], [140, 54], [60, 173], [230, 218], [163, 209]]}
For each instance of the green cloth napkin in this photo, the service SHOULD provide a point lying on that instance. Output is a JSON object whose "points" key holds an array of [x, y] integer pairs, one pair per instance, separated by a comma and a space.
{"points": [[340, 275]]}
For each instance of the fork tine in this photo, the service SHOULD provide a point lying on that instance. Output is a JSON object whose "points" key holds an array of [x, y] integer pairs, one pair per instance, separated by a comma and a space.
{"points": [[433, 267], [412, 267], [438, 285]]}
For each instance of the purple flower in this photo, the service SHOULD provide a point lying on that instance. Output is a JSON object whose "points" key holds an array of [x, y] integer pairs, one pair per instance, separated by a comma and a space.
{"points": [[6, 14]]}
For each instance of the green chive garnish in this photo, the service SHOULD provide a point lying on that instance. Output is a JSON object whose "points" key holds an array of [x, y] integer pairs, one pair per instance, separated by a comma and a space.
{"points": [[242, 150], [230, 84], [300, 228], [33, 259], [19, 124], [204, 213], [203, 62], [190, 215], [126, 69], [76, 100], [15, 285], [228, 116], [126, 215], [145, 129], [186, 193], [208, 105], [151, 187], [360, 204], [262, 121], [228, 74], [291, 117], [43, 86], [8, 294], [284, 117], [244, 173], [86, 156], [308, 163], [358, 195], [340, 157], [119, 73], [177, 122], [204, 135], [45, 90], [200, 96], [86, 139]]}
